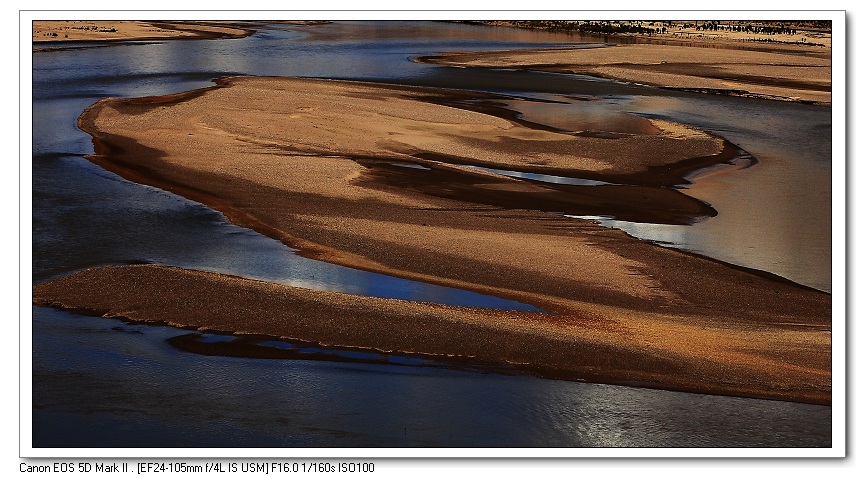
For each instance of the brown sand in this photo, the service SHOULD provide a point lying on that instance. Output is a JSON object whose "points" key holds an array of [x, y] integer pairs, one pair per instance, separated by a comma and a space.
{"points": [[308, 162], [803, 40], [642, 350], [686, 33], [80, 30], [784, 74]]}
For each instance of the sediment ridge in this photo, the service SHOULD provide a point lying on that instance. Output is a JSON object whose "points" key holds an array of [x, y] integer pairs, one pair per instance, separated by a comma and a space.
{"points": [[313, 163], [780, 73]]}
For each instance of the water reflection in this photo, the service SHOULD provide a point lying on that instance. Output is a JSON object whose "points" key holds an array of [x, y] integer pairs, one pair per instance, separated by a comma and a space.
{"points": [[544, 178], [777, 215], [458, 33], [607, 114], [129, 386], [97, 383], [151, 225]]}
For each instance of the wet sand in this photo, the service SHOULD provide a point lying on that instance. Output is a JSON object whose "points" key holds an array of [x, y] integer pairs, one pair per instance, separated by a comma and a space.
{"points": [[310, 162], [109, 30], [784, 72]]}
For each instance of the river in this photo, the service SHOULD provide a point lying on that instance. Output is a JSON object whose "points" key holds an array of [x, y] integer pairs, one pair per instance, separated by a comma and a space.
{"points": [[104, 383]]}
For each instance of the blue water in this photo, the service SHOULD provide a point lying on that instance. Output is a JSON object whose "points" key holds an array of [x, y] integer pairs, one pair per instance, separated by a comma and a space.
{"points": [[99, 382], [774, 216], [103, 383], [75, 200]]}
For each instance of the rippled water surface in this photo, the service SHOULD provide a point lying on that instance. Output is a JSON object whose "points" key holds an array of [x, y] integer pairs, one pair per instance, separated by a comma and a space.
{"points": [[123, 386], [103, 383]]}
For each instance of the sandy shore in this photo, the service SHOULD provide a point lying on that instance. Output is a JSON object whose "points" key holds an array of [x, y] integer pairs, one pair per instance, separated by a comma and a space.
{"points": [[311, 162], [781, 72], [80, 30], [545, 345]]}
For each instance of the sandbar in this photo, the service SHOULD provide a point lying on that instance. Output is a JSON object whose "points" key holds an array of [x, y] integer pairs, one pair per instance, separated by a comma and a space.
{"points": [[785, 72], [314, 163], [125, 30]]}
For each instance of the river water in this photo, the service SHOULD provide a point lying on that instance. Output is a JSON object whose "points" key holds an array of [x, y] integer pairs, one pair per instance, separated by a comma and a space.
{"points": [[103, 383]]}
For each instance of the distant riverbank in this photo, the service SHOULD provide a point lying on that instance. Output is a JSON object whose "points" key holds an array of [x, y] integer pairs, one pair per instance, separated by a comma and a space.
{"points": [[731, 63], [109, 30]]}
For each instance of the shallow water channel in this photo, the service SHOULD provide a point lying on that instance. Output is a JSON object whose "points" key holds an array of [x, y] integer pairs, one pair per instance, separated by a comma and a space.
{"points": [[104, 383]]}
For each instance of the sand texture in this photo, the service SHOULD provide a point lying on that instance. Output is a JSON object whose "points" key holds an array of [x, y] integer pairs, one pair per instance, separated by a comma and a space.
{"points": [[645, 351], [312, 163], [110, 30], [787, 73]]}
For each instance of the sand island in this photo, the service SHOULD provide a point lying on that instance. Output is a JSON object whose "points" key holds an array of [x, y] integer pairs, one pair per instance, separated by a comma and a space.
{"points": [[770, 60], [124, 30], [787, 75], [320, 165]]}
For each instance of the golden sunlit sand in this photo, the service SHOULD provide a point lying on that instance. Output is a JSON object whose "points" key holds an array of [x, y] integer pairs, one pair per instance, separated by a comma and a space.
{"points": [[312, 163], [110, 30], [785, 72]]}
